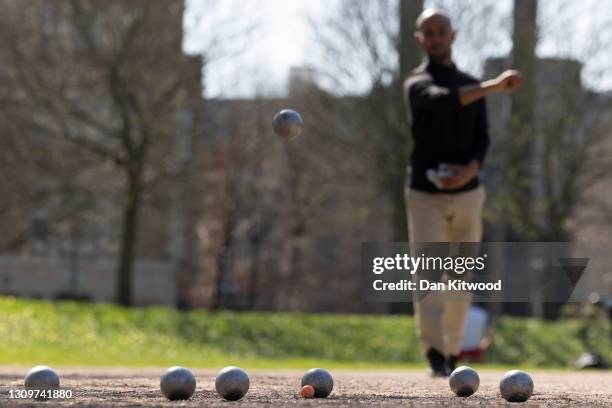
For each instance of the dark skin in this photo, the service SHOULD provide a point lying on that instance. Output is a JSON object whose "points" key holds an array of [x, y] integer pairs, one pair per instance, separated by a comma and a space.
{"points": [[435, 36]]}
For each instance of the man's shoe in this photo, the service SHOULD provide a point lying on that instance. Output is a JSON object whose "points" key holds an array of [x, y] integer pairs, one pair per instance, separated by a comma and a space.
{"points": [[437, 363], [452, 364]]}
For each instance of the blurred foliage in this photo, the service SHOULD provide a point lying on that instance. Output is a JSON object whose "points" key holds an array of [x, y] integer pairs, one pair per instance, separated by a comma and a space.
{"points": [[69, 333]]}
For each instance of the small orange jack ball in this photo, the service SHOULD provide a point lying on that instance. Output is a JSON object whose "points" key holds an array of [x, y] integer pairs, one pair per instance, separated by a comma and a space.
{"points": [[307, 391]]}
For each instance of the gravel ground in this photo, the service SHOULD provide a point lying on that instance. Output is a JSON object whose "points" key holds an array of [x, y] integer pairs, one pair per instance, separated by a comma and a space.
{"points": [[118, 387]]}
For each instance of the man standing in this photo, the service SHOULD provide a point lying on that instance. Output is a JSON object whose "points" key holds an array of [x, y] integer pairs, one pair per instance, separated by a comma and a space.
{"points": [[450, 128]]}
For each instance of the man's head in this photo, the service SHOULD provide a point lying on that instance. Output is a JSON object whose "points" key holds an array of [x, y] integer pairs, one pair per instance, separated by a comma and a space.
{"points": [[435, 34]]}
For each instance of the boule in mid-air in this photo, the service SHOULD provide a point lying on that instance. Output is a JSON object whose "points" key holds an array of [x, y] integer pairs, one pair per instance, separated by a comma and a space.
{"points": [[287, 124]]}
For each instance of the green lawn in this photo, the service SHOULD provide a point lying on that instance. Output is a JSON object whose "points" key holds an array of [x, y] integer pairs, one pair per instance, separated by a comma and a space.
{"points": [[69, 333]]}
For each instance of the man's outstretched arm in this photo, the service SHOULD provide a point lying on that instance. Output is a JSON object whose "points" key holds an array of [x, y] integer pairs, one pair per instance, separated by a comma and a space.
{"points": [[423, 93], [509, 81]]}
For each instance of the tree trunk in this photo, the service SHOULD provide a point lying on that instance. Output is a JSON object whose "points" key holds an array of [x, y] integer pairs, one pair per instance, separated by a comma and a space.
{"points": [[128, 240], [409, 52], [256, 238], [522, 153], [409, 57], [254, 272], [224, 260]]}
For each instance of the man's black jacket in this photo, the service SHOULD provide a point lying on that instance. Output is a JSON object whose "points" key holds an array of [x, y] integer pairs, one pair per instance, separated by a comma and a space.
{"points": [[443, 130]]}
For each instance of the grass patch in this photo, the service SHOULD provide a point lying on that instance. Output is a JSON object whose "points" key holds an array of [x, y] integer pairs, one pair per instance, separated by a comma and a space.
{"points": [[70, 333]]}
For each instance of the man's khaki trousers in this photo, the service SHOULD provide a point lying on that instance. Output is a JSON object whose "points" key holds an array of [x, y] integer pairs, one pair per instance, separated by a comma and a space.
{"points": [[441, 217]]}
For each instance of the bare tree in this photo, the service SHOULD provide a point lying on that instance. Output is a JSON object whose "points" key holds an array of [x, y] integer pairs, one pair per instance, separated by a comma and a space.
{"points": [[548, 154], [108, 78]]}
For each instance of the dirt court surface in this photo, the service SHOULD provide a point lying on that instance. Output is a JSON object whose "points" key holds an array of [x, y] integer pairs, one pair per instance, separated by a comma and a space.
{"points": [[117, 387]]}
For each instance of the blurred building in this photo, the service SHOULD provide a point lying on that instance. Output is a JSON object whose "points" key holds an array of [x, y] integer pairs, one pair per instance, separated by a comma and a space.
{"points": [[302, 80]]}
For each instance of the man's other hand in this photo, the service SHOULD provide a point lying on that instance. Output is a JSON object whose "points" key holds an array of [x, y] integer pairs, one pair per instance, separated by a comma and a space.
{"points": [[461, 175]]}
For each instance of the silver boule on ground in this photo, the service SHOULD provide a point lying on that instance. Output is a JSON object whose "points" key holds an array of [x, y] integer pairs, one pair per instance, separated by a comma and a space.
{"points": [[516, 386], [287, 124], [464, 381], [232, 383], [321, 380], [177, 383], [42, 378]]}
